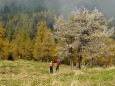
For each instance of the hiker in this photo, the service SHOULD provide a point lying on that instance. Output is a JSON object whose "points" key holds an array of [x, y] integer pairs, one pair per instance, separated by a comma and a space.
{"points": [[51, 67], [57, 65]]}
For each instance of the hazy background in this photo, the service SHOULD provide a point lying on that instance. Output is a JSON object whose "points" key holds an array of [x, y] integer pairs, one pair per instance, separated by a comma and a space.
{"points": [[62, 6]]}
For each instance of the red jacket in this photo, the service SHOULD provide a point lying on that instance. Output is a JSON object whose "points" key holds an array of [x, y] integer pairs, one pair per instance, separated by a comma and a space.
{"points": [[58, 63]]}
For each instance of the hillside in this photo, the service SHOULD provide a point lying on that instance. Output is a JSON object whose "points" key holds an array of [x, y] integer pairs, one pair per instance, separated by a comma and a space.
{"points": [[31, 73]]}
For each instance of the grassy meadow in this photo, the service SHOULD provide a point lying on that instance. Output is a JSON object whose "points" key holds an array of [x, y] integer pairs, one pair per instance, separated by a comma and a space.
{"points": [[31, 73]]}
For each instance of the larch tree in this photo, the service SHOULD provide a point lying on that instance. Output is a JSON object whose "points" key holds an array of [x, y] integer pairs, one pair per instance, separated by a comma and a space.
{"points": [[15, 47], [2, 37], [5, 48], [85, 32], [44, 46], [22, 46], [26, 46], [6, 51]]}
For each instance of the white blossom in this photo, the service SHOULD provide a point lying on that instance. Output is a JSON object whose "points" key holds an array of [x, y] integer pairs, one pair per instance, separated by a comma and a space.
{"points": [[84, 30]]}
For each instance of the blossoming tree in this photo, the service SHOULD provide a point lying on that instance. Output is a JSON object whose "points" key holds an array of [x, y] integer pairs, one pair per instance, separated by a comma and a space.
{"points": [[83, 32]]}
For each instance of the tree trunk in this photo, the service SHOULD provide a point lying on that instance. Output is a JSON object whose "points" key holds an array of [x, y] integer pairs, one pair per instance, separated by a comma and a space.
{"points": [[47, 59], [79, 61], [71, 57], [71, 64], [92, 61]]}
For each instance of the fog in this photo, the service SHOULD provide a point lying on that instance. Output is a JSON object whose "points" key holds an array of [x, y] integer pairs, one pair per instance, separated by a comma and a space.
{"points": [[64, 6]]}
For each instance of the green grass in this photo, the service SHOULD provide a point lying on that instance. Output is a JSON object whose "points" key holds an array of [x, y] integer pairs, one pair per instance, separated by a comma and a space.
{"points": [[31, 73]]}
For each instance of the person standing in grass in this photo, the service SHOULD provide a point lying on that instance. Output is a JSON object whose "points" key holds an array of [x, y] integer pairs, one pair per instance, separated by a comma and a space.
{"points": [[51, 67], [57, 65]]}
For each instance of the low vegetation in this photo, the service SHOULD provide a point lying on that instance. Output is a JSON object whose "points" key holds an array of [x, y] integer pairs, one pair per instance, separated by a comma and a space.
{"points": [[31, 73]]}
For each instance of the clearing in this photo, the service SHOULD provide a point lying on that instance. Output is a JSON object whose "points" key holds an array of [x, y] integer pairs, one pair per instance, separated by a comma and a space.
{"points": [[33, 73]]}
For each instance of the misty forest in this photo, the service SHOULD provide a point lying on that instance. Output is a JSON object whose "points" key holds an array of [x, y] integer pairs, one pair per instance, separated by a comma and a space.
{"points": [[79, 33]]}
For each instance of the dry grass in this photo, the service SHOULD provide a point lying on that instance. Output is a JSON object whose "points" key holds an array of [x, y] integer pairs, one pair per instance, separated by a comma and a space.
{"points": [[30, 73]]}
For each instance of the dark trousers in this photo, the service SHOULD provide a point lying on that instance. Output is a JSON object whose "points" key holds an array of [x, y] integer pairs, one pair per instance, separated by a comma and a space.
{"points": [[57, 68], [51, 69]]}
